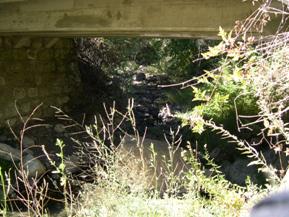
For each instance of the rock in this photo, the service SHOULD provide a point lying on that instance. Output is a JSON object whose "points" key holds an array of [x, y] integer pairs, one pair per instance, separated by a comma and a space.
{"points": [[141, 108], [165, 113], [139, 76], [3, 138], [152, 79], [275, 205], [145, 100], [162, 79], [28, 142], [276, 160], [220, 154], [59, 128], [72, 164], [33, 166], [154, 111], [239, 171], [147, 115], [9, 153], [155, 132], [225, 167]]}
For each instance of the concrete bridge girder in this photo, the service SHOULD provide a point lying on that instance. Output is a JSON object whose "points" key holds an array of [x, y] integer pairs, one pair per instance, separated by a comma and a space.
{"points": [[159, 18]]}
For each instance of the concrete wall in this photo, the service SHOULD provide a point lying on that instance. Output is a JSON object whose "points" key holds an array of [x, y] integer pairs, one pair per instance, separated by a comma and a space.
{"points": [[34, 71], [160, 18]]}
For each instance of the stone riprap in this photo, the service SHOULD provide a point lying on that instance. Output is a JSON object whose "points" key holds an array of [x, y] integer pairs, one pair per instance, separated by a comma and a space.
{"points": [[35, 71]]}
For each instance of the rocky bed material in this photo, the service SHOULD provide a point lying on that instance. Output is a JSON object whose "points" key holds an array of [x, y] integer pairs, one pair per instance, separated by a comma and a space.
{"points": [[151, 106]]}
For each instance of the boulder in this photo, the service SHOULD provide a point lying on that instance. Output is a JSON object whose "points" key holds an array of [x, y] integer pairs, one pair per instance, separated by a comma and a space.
{"points": [[28, 142], [32, 165], [9, 153], [139, 76], [239, 170], [275, 205]]}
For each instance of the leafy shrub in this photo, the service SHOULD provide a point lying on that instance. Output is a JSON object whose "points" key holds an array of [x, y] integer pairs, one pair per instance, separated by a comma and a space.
{"points": [[220, 94], [256, 84]]}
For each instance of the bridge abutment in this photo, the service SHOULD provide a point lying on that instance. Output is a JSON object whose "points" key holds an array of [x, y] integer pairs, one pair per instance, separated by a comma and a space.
{"points": [[34, 71]]}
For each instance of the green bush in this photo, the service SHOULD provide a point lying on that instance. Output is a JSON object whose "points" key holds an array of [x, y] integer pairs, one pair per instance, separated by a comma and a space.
{"points": [[223, 95], [182, 58]]}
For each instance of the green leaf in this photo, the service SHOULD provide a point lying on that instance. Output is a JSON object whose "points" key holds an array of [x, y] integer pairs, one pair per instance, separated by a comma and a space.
{"points": [[222, 33], [61, 167], [198, 127]]}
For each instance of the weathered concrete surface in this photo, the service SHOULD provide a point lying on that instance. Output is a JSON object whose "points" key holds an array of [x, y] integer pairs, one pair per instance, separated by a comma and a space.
{"points": [[174, 18]]}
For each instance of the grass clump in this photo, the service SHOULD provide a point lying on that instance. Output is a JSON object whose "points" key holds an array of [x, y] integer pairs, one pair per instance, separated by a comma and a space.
{"points": [[143, 177]]}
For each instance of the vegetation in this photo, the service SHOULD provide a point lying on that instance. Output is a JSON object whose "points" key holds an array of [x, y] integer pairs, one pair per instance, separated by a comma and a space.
{"points": [[138, 182], [241, 99]]}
